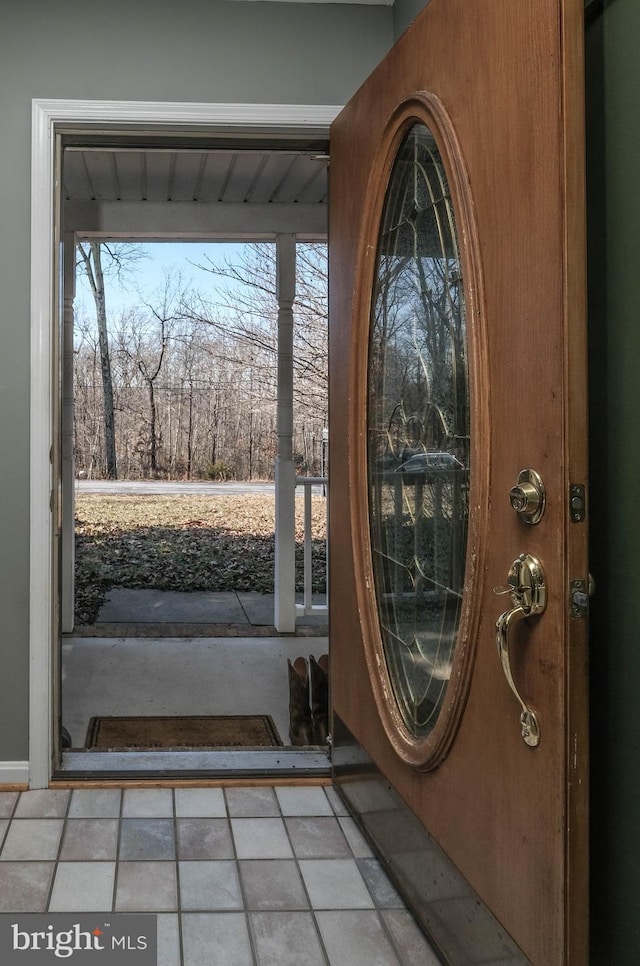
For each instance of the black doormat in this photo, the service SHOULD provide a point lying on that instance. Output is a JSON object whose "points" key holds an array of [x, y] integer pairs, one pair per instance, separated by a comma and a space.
{"points": [[138, 733]]}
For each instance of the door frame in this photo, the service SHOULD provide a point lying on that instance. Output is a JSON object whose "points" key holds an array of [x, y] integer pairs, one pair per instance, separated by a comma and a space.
{"points": [[48, 117]]}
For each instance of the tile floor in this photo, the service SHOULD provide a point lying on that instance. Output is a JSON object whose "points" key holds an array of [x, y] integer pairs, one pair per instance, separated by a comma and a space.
{"points": [[238, 876]]}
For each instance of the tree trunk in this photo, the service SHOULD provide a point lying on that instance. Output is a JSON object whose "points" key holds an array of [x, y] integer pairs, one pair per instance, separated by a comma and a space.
{"points": [[153, 442], [93, 269]]}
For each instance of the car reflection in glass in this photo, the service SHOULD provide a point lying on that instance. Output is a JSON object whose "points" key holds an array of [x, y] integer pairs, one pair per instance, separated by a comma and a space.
{"points": [[430, 464]]}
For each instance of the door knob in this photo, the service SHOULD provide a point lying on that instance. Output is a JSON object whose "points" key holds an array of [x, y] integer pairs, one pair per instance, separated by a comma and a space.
{"points": [[528, 497], [527, 586]]}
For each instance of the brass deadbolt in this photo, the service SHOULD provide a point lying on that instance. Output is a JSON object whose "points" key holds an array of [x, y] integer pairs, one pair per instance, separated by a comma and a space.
{"points": [[528, 497]]}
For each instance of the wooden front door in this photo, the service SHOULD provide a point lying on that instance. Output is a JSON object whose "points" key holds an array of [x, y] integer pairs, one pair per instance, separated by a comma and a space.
{"points": [[459, 569]]}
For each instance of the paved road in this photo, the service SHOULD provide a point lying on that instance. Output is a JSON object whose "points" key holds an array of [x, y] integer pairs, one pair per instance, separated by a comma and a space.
{"points": [[171, 488]]}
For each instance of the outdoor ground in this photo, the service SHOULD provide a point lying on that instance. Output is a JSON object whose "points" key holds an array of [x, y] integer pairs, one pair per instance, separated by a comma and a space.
{"points": [[183, 543]]}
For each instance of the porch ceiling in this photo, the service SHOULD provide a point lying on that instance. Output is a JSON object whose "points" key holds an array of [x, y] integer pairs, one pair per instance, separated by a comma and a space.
{"points": [[230, 189]]}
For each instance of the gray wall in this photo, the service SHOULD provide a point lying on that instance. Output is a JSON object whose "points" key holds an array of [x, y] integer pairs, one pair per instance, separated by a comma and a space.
{"points": [[404, 12], [163, 50]]}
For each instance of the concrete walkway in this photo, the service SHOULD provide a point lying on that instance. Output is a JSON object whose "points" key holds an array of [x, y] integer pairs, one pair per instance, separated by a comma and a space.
{"points": [[163, 652], [152, 675], [161, 613]]}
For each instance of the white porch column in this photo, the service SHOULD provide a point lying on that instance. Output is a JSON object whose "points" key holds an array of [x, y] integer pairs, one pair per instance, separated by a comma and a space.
{"points": [[285, 602], [67, 575]]}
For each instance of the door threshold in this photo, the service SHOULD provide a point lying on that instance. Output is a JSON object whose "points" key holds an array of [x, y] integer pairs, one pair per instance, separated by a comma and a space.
{"points": [[265, 763]]}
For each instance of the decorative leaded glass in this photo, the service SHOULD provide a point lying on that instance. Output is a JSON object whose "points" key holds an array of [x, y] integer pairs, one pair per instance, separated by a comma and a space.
{"points": [[418, 436]]}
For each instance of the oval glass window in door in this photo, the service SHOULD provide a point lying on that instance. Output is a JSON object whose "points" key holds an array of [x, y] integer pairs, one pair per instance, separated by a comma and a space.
{"points": [[418, 432]]}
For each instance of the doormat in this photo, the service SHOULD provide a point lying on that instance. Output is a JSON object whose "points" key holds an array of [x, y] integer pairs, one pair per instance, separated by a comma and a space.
{"points": [[201, 731]]}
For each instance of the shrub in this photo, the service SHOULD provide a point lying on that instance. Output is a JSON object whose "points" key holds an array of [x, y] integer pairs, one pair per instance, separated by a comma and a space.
{"points": [[221, 470]]}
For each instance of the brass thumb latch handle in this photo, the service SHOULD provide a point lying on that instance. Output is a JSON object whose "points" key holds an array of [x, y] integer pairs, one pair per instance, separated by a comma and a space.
{"points": [[527, 586]]}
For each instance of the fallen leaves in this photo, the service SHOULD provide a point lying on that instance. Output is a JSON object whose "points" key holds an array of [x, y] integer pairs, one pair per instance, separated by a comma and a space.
{"points": [[185, 543]]}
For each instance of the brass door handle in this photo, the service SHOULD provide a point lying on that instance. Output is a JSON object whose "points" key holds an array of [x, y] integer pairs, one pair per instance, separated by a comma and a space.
{"points": [[527, 586]]}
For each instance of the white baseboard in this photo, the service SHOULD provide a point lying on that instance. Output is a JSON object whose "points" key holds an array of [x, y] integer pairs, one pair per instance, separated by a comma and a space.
{"points": [[14, 773]]}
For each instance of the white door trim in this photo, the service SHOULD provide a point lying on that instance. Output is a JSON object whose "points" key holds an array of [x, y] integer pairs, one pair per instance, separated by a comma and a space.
{"points": [[47, 117]]}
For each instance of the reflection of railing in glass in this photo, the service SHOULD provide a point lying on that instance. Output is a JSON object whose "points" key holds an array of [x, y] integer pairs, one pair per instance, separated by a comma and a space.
{"points": [[418, 432]]}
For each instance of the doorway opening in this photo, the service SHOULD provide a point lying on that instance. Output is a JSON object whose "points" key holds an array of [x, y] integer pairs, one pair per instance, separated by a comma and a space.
{"points": [[216, 218], [174, 534]]}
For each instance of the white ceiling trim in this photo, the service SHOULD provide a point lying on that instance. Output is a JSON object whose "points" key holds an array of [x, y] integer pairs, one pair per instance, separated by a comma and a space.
{"points": [[197, 220], [267, 118]]}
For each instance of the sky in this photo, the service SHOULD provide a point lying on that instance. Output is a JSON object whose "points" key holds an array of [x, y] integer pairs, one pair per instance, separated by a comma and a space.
{"points": [[150, 273]]}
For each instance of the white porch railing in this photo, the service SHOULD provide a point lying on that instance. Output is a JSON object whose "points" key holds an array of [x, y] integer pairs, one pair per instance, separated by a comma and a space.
{"points": [[307, 607]]}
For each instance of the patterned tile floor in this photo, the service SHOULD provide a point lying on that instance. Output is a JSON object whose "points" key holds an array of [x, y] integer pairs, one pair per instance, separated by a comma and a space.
{"points": [[238, 876]]}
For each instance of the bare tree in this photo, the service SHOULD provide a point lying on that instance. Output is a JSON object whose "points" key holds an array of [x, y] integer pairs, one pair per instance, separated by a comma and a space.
{"points": [[245, 309], [92, 261], [150, 369], [194, 381], [121, 260]]}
